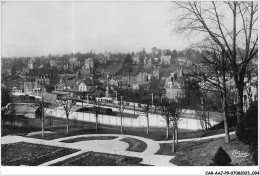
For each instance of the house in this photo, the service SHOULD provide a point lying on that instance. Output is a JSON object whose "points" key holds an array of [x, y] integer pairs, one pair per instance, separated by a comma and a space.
{"points": [[66, 66], [67, 73], [184, 61], [25, 110], [30, 85], [136, 59], [96, 92], [142, 78], [89, 63], [174, 85], [31, 64], [166, 60], [156, 73], [141, 86], [61, 94], [156, 60], [88, 83], [113, 82], [127, 80], [53, 63]]}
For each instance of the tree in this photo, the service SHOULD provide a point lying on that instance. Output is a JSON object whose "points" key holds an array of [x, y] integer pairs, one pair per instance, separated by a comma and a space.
{"points": [[170, 112], [247, 130], [13, 71], [68, 107], [96, 110], [174, 54], [6, 107], [42, 108], [219, 67], [128, 59], [146, 105], [238, 39], [192, 94]]}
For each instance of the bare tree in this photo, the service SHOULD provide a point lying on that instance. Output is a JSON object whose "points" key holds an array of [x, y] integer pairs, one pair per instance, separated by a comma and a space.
{"points": [[68, 107], [175, 116], [169, 112], [230, 25], [42, 108], [96, 110], [146, 105], [216, 81]]}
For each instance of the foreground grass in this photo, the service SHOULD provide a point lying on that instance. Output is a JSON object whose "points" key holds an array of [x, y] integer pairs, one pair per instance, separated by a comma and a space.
{"points": [[10, 130], [200, 153], [135, 145], [100, 159], [23, 153], [58, 126]]}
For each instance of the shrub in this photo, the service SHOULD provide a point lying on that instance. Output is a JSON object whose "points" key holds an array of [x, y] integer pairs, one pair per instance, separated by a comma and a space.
{"points": [[247, 130]]}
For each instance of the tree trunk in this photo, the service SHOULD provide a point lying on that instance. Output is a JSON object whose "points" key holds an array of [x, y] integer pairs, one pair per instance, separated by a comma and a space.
{"points": [[176, 135], [227, 138], [42, 124], [42, 128], [240, 111], [147, 117], [121, 124], [173, 142], [67, 124], [167, 131], [96, 123]]}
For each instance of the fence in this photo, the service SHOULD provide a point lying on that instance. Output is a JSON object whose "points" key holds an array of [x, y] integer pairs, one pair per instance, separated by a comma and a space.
{"points": [[155, 120]]}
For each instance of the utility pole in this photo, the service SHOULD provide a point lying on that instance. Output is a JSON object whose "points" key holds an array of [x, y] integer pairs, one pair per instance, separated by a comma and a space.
{"points": [[152, 98]]}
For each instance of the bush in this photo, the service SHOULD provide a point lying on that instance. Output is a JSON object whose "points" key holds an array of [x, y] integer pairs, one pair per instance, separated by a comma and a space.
{"points": [[247, 130]]}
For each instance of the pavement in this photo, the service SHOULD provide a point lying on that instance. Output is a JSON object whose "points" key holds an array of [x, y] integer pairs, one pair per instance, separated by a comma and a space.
{"points": [[114, 146]]}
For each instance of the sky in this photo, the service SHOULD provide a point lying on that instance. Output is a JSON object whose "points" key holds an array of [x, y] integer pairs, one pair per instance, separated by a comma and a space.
{"points": [[42, 28]]}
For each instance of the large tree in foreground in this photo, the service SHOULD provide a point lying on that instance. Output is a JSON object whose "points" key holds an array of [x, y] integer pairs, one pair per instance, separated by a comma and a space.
{"points": [[230, 25], [216, 81]]}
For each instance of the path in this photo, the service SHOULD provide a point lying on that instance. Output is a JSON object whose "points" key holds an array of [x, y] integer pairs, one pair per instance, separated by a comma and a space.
{"points": [[114, 146], [200, 139]]}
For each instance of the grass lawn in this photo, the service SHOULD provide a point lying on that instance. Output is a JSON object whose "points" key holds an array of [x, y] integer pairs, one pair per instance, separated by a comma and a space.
{"points": [[79, 139], [58, 126], [135, 145], [23, 153], [9, 130], [200, 153], [100, 159]]}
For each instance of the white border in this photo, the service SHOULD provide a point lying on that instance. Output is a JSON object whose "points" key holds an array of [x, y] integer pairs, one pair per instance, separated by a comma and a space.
{"points": [[90, 170], [142, 170]]}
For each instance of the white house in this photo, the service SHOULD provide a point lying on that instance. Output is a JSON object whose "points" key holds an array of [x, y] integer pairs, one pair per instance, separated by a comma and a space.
{"points": [[166, 60]]}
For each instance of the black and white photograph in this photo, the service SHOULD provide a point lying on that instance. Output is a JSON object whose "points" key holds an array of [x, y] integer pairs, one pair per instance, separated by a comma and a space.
{"points": [[129, 83]]}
